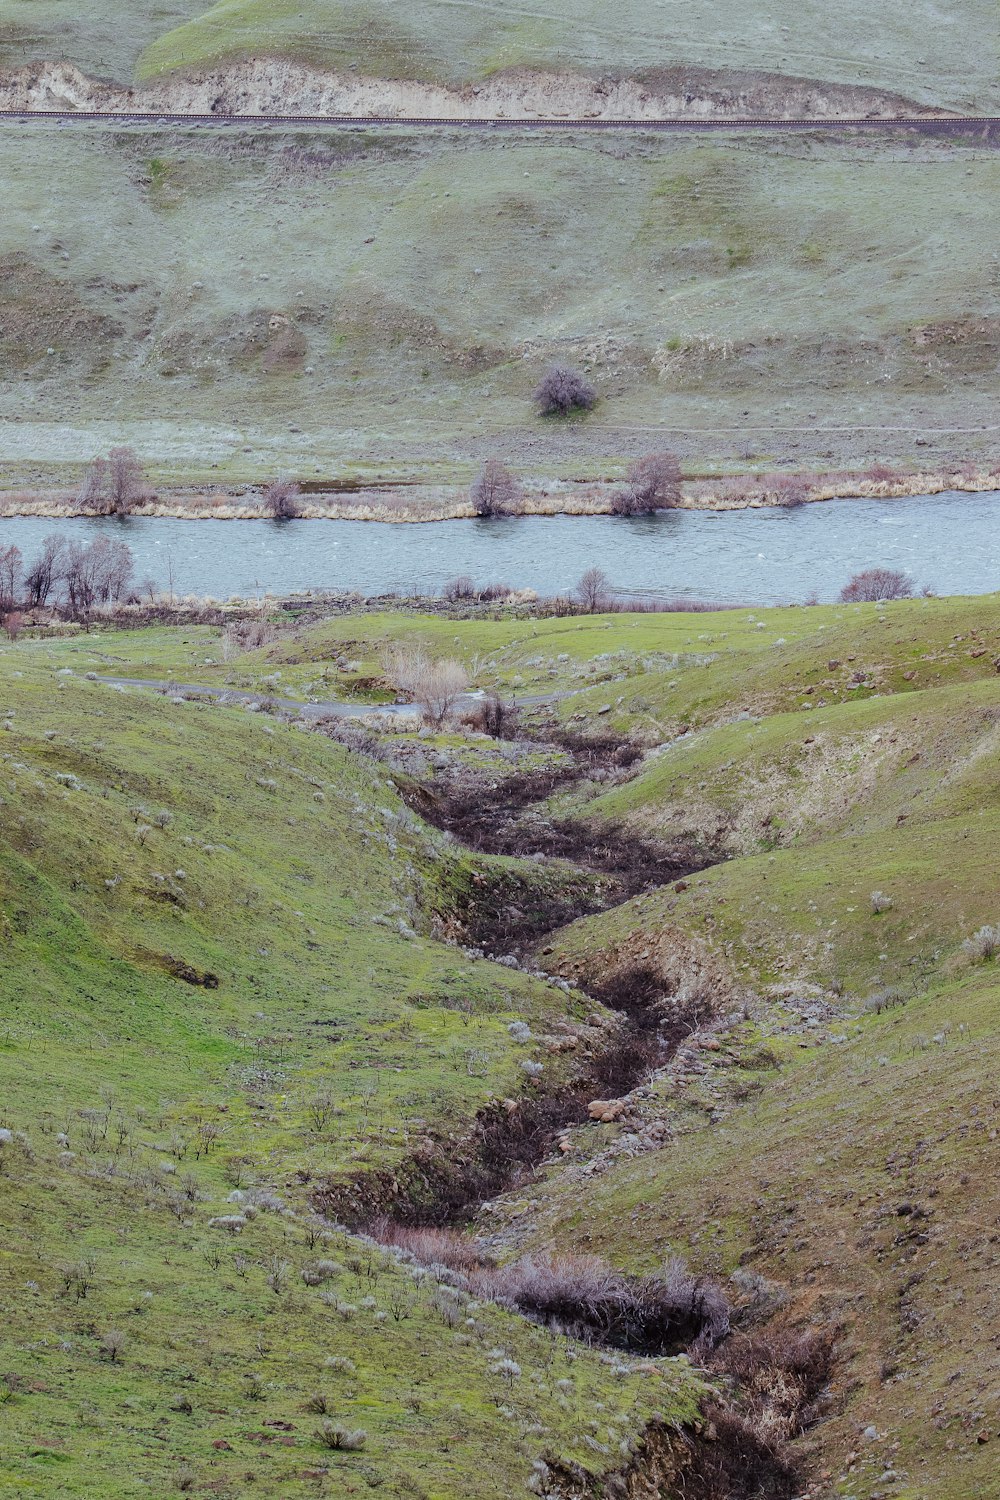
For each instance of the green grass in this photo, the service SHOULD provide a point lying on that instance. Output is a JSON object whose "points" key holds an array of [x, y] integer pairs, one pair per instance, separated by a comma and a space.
{"points": [[799, 1178], [427, 282], [336, 1035], [793, 1150], [436, 41]]}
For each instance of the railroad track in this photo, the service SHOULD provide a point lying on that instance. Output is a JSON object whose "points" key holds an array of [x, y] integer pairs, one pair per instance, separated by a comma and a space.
{"points": [[937, 123]]}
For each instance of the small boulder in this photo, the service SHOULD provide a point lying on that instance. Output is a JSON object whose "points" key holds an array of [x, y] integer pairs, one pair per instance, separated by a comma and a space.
{"points": [[605, 1111]]}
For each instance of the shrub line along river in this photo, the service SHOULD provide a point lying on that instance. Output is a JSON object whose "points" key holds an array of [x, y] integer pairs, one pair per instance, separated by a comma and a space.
{"points": [[948, 542]]}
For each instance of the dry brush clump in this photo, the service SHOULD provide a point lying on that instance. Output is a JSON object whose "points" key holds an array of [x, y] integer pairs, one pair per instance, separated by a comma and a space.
{"points": [[983, 945], [584, 1297], [562, 391], [652, 483], [495, 491], [874, 584], [282, 500], [436, 685]]}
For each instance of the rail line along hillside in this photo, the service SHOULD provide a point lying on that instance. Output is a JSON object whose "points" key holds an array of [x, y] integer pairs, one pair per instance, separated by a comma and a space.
{"points": [[983, 125]]}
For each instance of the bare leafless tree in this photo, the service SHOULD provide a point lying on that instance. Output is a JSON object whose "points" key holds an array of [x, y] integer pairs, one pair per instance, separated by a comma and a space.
{"points": [[652, 483], [872, 584], [435, 685], [592, 590], [281, 499], [95, 492], [126, 479], [96, 574], [495, 491], [44, 572], [562, 391], [11, 570], [13, 623], [440, 688]]}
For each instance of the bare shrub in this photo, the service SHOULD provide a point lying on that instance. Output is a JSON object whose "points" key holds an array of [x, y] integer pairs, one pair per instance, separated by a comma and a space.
{"points": [[247, 635], [652, 483], [790, 491], [495, 491], [983, 945], [440, 688], [436, 685], [459, 588], [491, 593], [592, 590], [431, 1247], [873, 584], [585, 1297], [277, 1274], [11, 571], [45, 571], [494, 716], [126, 479], [879, 473], [281, 499], [562, 391], [113, 1344], [13, 624]]}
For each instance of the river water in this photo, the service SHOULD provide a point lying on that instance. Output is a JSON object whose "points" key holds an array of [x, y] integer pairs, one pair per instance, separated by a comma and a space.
{"points": [[947, 542]]}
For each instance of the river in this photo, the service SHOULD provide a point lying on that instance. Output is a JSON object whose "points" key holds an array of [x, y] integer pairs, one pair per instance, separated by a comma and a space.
{"points": [[948, 542]]}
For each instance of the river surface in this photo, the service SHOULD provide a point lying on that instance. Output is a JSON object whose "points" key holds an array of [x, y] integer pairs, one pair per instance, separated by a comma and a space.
{"points": [[948, 542]]}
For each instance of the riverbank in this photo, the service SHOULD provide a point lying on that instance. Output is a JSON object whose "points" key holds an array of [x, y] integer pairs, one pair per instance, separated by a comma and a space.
{"points": [[417, 503]]}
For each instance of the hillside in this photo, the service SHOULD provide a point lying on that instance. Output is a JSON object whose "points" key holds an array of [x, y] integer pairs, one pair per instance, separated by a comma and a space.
{"points": [[233, 996], [213, 992], [825, 1138], [436, 42], [343, 304]]}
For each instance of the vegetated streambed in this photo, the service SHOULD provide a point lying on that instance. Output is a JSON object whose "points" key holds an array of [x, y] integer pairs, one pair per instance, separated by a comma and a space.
{"points": [[746, 556], [418, 1205]]}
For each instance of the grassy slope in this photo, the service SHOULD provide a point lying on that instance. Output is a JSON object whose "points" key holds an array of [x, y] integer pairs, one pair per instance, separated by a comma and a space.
{"points": [[96, 36], [804, 1185], [798, 1172], [280, 856], [801, 1173], [389, 304], [436, 40]]}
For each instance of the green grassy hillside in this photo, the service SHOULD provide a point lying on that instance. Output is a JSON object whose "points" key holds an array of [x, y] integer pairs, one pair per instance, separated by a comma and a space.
{"points": [[830, 1146], [823, 1145], [217, 988], [330, 305]]}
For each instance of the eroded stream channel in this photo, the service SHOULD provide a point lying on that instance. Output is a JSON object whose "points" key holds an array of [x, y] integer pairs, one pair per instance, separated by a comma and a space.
{"points": [[425, 1205]]}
